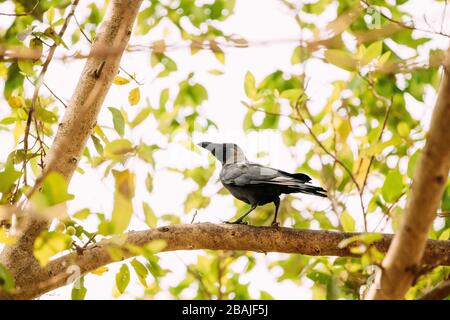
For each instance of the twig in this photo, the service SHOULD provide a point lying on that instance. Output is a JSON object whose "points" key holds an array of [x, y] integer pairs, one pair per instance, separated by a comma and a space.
{"points": [[401, 24], [296, 107], [52, 93], [39, 83], [193, 217], [386, 116]]}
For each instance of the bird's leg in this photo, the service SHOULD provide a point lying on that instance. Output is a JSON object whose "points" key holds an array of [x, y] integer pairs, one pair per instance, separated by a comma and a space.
{"points": [[239, 220], [277, 206]]}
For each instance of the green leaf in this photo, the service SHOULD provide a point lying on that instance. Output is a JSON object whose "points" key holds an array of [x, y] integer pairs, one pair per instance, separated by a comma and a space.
{"points": [[249, 85], [323, 220], [26, 66], [195, 200], [7, 282], [46, 115], [347, 222], [140, 117], [341, 59], [53, 191], [296, 57], [118, 120], [123, 195], [379, 147], [82, 214], [117, 148], [163, 98], [403, 129], [13, 81], [412, 163], [264, 295], [393, 186], [8, 120], [97, 144], [150, 217], [8, 177], [215, 72], [168, 64], [190, 94], [446, 199], [123, 278], [79, 290], [145, 152], [372, 52], [292, 94], [367, 239], [149, 183], [50, 14], [49, 243], [141, 271], [134, 96]]}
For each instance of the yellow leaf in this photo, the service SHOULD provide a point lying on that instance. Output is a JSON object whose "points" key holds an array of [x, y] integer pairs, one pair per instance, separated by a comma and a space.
{"points": [[5, 239], [120, 80], [347, 222], [15, 102], [360, 170], [100, 271], [249, 85], [134, 96], [123, 195], [47, 244], [342, 127], [156, 246], [341, 59]]}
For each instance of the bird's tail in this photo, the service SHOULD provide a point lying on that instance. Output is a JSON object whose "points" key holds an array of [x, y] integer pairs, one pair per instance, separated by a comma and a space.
{"points": [[309, 189]]}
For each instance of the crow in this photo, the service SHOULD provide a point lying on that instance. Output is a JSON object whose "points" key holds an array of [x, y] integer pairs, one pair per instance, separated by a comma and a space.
{"points": [[256, 184]]}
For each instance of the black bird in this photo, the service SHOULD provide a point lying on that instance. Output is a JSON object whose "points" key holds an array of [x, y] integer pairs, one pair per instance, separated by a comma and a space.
{"points": [[254, 183]]}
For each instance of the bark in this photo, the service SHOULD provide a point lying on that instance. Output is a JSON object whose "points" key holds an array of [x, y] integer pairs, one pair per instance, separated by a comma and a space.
{"points": [[74, 130], [402, 262], [213, 237]]}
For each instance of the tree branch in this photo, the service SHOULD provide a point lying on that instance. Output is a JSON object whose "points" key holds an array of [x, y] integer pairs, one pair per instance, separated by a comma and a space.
{"points": [[74, 130], [402, 260], [441, 291], [212, 237]]}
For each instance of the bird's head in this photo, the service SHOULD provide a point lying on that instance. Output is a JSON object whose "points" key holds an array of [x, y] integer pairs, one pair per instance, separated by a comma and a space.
{"points": [[224, 152]]}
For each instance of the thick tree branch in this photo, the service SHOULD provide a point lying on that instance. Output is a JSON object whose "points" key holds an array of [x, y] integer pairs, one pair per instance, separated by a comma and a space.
{"points": [[74, 130], [213, 237], [441, 291], [402, 260]]}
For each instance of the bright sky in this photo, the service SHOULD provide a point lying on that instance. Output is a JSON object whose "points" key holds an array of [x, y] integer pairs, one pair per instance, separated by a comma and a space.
{"points": [[254, 20]]}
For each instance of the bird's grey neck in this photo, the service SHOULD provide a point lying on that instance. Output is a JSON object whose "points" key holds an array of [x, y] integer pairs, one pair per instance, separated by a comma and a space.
{"points": [[235, 160]]}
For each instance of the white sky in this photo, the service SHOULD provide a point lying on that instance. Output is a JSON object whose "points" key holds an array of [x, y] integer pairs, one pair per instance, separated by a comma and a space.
{"points": [[254, 20]]}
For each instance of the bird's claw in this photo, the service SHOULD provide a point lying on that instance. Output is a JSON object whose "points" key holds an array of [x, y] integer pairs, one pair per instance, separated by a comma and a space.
{"points": [[275, 224]]}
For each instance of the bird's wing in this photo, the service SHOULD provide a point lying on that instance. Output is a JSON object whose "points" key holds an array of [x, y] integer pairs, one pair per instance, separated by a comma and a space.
{"points": [[251, 173]]}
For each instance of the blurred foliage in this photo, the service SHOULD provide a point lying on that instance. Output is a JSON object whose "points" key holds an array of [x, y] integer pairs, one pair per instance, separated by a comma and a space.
{"points": [[363, 141]]}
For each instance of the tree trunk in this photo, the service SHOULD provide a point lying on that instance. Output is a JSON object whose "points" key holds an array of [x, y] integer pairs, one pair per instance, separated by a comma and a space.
{"points": [[402, 262], [75, 128]]}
